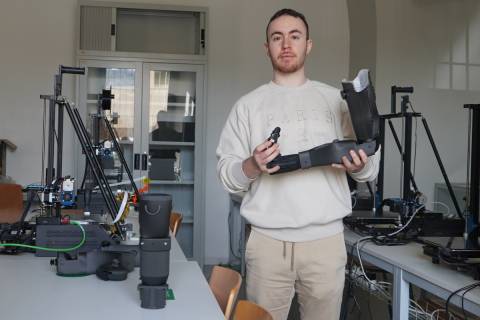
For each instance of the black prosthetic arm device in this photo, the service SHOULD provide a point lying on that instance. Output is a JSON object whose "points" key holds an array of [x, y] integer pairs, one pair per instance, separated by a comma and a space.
{"points": [[361, 102], [322, 155], [275, 135], [360, 97], [329, 153]]}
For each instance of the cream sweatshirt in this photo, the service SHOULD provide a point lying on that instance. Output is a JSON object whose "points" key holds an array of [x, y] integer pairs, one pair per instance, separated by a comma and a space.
{"points": [[302, 205]]}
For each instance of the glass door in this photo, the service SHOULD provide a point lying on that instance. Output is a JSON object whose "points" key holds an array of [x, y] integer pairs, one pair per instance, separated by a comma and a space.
{"points": [[172, 101], [122, 109]]}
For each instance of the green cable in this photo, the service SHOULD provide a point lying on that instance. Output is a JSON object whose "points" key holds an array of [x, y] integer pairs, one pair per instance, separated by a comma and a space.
{"points": [[51, 249]]}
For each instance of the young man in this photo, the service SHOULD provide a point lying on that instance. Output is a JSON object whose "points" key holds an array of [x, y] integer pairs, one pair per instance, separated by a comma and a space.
{"points": [[296, 243]]}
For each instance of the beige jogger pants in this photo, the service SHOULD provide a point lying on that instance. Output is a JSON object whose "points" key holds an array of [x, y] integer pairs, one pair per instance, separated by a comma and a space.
{"points": [[314, 269]]}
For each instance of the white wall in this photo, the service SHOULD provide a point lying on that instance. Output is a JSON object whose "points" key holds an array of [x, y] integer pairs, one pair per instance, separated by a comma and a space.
{"points": [[37, 36], [363, 37], [412, 36]]}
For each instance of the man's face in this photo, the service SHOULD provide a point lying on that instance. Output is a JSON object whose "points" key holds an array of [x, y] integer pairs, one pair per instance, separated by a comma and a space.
{"points": [[287, 44]]}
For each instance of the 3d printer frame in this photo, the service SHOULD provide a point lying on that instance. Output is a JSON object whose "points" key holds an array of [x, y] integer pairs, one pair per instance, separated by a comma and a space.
{"points": [[59, 104]]}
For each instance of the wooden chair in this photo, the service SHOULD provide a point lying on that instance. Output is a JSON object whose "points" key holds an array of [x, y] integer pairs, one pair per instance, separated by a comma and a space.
{"points": [[225, 284], [247, 310], [175, 221], [11, 203]]}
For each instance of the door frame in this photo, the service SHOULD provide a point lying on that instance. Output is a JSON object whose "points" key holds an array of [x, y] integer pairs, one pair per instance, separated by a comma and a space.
{"points": [[199, 162], [82, 105]]}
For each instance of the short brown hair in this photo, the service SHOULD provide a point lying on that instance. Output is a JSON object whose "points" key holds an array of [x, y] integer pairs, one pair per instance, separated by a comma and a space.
{"points": [[288, 12]]}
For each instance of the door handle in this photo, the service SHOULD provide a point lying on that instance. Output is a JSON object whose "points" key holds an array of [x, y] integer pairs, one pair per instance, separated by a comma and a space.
{"points": [[136, 161], [144, 161]]}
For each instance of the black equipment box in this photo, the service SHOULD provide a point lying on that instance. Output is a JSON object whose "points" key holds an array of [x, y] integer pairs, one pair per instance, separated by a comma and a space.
{"points": [[162, 169]]}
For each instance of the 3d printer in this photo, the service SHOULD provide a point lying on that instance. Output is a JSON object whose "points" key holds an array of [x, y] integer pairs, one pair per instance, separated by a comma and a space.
{"points": [[91, 246]]}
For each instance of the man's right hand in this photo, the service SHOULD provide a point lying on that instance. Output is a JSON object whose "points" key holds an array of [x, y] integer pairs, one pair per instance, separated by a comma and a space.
{"points": [[257, 163]]}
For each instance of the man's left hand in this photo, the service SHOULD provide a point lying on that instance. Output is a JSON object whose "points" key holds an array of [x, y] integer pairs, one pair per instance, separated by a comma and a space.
{"points": [[359, 160]]}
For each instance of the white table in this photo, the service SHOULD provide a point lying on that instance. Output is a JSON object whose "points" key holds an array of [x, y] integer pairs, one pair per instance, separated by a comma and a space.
{"points": [[409, 265], [30, 289], [176, 253]]}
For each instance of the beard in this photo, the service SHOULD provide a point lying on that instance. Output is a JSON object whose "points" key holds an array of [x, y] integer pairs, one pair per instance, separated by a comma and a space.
{"points": [[291, 66]]}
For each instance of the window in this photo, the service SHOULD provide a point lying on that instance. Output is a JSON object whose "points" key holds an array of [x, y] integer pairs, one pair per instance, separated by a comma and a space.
{"points": [[458, 67]]}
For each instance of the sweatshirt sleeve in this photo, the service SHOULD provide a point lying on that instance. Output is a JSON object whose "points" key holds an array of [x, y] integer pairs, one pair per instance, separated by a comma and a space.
{"points": [[233, 148], [370, 171]]}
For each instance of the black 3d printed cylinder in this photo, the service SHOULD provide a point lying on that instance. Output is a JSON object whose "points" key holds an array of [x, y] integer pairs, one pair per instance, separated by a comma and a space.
{"points": [[154, 223], [154, 216]]}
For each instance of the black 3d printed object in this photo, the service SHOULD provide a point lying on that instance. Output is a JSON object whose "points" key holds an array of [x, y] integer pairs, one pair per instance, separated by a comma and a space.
{"points": [[360, 97]]}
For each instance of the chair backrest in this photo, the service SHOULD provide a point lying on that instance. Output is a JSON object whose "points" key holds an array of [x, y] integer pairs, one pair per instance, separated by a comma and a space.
{"points": [[175, 221], [11, 202], [225, 284], [247, 310]]}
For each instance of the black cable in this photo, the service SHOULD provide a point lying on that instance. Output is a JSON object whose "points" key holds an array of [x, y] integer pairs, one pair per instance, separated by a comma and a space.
{"points": [[84, 174], [384, 239], [468, 287], [463, 299], [463, 307], [391, 238], [411, 106]]}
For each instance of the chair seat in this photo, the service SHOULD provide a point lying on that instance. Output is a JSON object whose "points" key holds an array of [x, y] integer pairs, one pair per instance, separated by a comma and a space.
{"points": [[225, 285], [175, 222], [247, 310]]}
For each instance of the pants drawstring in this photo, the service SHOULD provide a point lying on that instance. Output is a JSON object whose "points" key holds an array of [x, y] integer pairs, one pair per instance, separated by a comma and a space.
{"points": [[292, 256]]}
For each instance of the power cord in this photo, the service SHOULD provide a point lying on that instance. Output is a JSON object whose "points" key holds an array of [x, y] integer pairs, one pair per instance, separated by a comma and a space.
{"points": [[466, 289]]}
